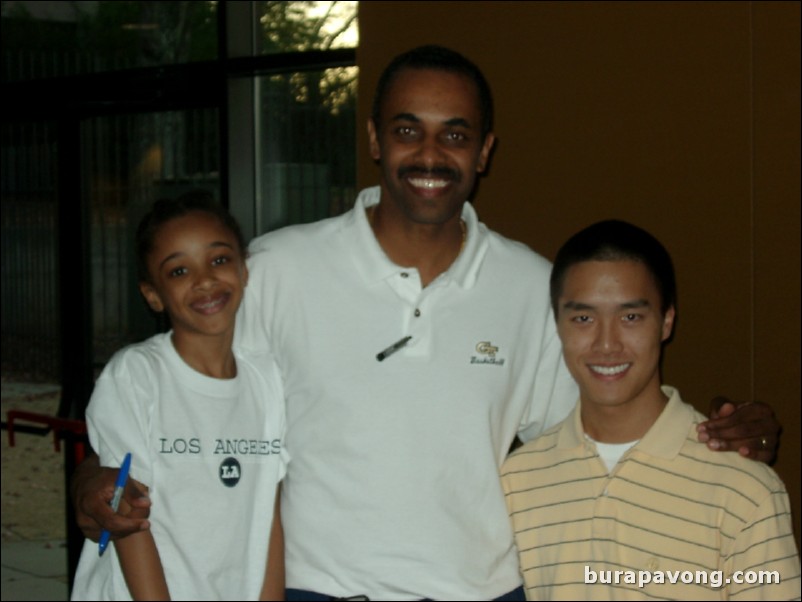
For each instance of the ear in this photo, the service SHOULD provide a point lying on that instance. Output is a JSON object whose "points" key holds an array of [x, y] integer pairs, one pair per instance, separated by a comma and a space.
{"points": [[484, 154], [152, 297], [373, 139], [668, 323]]}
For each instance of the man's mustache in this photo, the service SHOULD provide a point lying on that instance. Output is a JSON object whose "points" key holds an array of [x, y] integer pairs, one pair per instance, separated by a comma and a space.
{"points": [[442, 171]]}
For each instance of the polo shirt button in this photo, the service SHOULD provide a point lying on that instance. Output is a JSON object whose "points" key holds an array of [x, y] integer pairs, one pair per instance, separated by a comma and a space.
{"points": [[404, 274], [417, 313]]}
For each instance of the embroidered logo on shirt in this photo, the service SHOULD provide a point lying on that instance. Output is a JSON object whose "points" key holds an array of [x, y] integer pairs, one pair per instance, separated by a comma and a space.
{"points": [[488, 353], [230, 472]]}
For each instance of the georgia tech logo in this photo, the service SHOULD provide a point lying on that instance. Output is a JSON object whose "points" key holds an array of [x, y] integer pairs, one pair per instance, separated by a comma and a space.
{"points": [[486, 349]]}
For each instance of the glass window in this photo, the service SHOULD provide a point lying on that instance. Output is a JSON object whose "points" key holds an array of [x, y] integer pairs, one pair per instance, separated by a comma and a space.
{"points": [[53, 39], [299, 26], [307, 160], [30, 298], [307, 128], [130, 137], [129, 161]]}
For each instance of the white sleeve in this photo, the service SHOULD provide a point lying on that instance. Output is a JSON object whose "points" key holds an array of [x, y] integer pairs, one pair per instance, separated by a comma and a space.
{"points": [[118, 415], [250, 328], [554, 387]]}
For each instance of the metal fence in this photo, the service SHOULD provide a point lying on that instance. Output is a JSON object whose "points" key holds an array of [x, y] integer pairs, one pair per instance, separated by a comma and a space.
{"points": [[30, 316]]}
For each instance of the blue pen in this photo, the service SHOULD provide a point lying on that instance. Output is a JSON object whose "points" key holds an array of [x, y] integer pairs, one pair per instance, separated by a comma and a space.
{"points": [[119, 487]]}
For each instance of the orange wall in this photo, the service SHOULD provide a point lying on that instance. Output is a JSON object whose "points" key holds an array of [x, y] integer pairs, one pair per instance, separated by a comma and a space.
{"points": [[682, 117]]}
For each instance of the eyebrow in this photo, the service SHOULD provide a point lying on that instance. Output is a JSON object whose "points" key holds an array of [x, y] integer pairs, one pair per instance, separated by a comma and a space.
{"points": [[212, 245], [637, 304], [576, 305], [405, 117], [454, 121]]}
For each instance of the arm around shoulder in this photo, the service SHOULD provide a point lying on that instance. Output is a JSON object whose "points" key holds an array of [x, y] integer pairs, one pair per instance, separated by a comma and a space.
{"points": [[91, 490], [750, 428]]}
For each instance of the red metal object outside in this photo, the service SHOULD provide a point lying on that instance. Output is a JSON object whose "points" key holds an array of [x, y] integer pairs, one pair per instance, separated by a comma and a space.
{"points": [[58, 425]]}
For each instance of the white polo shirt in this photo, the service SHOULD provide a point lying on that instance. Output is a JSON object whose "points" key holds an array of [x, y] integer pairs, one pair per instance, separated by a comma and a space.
{"points": [[393, 491]]}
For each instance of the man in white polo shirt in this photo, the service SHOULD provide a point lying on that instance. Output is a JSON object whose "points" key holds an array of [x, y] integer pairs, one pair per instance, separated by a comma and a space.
{"points": [[393, 490], [414, 344], [412, 341]]}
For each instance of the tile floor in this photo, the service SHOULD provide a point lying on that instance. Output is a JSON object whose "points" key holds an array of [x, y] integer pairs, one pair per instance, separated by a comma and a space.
{"points": [[33, 552], [34, 570]]}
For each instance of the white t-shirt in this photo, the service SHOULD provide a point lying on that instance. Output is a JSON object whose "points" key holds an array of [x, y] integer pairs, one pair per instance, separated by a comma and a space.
{"points": [[211, 452], [394, 489]]}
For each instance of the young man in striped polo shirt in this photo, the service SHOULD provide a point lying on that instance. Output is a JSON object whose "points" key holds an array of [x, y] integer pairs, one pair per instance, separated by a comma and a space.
{"points": [[620, 500]]}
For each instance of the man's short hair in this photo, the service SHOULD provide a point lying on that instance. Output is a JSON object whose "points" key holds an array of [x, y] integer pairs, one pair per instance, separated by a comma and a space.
{"points": [[615, 240], [437, 58]]}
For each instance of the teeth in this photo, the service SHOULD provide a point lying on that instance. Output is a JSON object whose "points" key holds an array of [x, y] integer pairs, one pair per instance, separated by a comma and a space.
{"points": [[211, 303], [430, 184], [609, 370]]}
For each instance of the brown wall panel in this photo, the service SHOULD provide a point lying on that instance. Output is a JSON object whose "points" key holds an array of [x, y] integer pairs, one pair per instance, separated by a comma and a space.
{"points": [[776, 210], [682, 117]]}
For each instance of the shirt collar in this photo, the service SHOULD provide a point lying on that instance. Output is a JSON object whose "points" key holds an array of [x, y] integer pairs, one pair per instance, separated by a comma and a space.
{"points": [[375, 266], [664, 439], [668, 433], [571, 433]]}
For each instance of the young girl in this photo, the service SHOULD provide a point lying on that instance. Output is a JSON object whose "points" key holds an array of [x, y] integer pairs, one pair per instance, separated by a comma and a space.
{"points": [[204, 424]]}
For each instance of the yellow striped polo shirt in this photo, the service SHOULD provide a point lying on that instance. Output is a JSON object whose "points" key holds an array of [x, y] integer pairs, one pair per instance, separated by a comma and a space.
{"points": [[673, 520]]}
